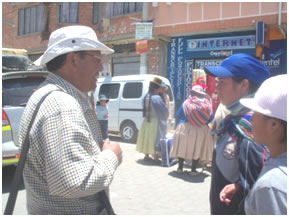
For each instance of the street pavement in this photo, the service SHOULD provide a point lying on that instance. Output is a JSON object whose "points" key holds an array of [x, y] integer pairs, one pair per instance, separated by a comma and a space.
{"points": [[146, 188], [142, 187]]}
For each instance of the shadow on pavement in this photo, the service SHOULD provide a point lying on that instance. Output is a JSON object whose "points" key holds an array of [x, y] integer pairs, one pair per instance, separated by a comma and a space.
{"points": [[149, 162], [7, 178], [188, 178]]}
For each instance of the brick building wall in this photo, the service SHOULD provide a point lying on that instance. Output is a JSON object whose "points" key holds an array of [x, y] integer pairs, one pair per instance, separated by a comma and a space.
{"points": [[183, 19]]}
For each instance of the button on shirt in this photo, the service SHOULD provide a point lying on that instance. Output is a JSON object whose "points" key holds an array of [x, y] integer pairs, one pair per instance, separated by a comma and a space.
{"points": [[65, 167]]}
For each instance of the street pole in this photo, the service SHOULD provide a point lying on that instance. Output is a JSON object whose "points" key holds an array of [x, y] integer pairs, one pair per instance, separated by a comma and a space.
{"points": [[143, 56]]}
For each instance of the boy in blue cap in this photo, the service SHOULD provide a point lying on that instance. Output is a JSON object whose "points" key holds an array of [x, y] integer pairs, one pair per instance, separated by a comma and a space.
{"points": [[237, 159]]}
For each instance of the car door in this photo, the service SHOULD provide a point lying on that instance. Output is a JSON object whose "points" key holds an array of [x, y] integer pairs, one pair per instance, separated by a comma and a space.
{"points": [[131, 103]]}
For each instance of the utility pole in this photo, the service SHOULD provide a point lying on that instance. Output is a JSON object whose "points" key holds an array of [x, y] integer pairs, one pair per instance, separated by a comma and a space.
{"points": [[143, 56]]}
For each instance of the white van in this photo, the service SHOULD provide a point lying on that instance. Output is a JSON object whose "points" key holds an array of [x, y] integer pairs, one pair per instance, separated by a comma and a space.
{"points": [[125, 104]]}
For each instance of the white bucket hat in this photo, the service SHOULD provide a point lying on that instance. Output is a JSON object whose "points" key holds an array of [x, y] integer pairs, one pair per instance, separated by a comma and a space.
{"points": [[198, 90], [70, 39], [271, 98]]}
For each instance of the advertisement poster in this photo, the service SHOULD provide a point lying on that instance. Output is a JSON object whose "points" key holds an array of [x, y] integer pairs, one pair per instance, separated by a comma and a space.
{"points": [[275, 57]]}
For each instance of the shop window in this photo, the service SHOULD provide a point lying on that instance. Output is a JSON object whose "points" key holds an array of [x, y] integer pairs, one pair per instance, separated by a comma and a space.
{"points": [[68, 12], [32, 19], [95, 14], [121, 8]]}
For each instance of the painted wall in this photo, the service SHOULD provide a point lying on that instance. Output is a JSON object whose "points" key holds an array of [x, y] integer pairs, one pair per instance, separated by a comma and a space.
{"points": [[187, 17]]}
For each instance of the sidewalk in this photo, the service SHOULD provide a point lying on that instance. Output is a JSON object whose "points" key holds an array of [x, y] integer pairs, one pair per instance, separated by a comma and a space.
{"points": [[146, 188]]}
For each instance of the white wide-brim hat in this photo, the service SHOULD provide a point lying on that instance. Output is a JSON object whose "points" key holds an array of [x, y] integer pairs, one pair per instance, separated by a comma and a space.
{"points": [[198, 90], [271, 98], [70, 39]]}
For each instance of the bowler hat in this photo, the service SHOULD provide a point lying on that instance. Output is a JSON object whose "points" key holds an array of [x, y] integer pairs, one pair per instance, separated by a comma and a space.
{"points": [[70, 39], [157, 81]]}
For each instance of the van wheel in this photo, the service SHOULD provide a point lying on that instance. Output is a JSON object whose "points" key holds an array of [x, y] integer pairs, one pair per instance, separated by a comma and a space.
{"points": [[128, 132]]}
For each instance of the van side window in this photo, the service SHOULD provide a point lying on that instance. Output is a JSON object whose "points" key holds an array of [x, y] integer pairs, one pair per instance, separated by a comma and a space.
{"points": [[109, 90], [132, 90]]}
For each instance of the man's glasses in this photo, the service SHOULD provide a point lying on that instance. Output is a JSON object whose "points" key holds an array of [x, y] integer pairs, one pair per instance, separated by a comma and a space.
{"points": [[94, 56]]}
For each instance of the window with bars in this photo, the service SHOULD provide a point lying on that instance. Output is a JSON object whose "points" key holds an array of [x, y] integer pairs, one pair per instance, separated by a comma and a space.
{"points": [[121, 8], [32, 19], [95, 14], [68, 12]]}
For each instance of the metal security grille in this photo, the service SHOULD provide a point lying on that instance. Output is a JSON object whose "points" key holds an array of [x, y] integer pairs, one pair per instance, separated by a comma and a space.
{"points": [[126, 66]]}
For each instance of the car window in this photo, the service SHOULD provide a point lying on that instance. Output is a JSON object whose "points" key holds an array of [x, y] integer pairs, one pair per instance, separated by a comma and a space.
{"points": [[16, 92], [132, 90], [16, 61], [109, 90]]}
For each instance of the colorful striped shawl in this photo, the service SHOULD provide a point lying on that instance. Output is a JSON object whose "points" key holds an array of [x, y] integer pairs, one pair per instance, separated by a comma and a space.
{"points": [[198, 111]]}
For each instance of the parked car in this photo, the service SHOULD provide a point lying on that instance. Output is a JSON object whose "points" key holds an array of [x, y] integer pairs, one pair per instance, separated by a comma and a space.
{"points": [[17, 87], [125, 104], [11, 63]]}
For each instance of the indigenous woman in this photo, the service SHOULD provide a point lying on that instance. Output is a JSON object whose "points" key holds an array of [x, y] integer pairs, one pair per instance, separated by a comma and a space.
{"points": [[192, 140], [154, 124]]}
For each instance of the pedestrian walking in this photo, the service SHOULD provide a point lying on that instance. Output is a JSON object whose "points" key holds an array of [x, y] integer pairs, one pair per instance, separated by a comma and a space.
{"points": [[154, 125], [237, 159], [102, 115], [268, 196], [68, 163], [192, 140]]}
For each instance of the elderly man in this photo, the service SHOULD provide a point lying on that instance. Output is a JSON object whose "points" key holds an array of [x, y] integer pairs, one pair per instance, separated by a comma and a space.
{"points": [[237, 159], [68, 163]]}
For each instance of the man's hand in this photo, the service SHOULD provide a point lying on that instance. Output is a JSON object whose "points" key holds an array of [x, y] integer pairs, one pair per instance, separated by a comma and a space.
{"points": [[113, 146], [228, 193]]}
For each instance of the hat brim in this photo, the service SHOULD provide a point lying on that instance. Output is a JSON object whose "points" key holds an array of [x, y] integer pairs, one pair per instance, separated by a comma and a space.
{"points": [[218, 71], [66, 46], [103, 100], [204, 86], [252, 105], [156, 83], [199, 94]]}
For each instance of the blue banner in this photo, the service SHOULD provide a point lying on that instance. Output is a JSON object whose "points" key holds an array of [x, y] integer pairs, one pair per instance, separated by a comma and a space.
{"points": [[275, 57]]}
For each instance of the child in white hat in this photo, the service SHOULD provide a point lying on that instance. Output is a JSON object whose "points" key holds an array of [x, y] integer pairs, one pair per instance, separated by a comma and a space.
{"points": [[269, 122], [102, 115], [269, 125]]}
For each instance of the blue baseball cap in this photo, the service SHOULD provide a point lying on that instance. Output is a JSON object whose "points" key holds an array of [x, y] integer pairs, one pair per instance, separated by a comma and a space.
{"points": [[242, 65]]}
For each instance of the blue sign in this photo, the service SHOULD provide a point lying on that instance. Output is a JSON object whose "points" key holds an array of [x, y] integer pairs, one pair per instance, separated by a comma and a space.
{"points": [[237, 42], [210, 51], [275, 57]]}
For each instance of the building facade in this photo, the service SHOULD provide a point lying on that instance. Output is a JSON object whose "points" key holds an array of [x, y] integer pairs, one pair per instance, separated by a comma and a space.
{"points": [[186, 35]]}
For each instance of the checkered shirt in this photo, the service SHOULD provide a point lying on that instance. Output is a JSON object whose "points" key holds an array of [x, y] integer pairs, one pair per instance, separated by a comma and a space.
{"points": [[65, 167]]}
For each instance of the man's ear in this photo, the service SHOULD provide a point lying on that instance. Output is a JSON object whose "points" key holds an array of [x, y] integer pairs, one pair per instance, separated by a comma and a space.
{"points": [[71, 58], [245, 84], [275, 124]]}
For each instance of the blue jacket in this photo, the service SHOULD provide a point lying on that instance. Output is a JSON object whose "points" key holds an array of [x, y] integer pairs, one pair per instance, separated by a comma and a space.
{"points": [[236, 159]]}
